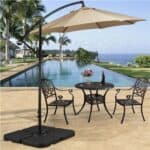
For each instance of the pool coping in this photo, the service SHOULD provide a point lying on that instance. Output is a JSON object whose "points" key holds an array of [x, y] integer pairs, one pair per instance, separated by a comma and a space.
{"points": [[22, 69]]}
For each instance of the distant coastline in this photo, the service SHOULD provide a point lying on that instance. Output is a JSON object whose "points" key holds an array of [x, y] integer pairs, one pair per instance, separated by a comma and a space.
{"points": [[123, 59]]}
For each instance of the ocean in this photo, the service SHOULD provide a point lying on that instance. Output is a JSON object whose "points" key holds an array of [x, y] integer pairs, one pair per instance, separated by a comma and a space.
{"points": [[123, 59]]}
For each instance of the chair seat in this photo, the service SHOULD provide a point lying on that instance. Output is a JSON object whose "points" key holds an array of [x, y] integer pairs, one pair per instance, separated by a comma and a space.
{"points": [[94, 99], [128, 102], [60, 103]]}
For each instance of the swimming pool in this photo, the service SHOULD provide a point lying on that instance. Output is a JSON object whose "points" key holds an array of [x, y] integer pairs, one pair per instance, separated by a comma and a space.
{"points": [[66, 74]]}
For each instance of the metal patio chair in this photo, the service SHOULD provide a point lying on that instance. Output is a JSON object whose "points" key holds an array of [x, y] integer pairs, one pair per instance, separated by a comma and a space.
{"points": [[49, 90], [135, 99]]}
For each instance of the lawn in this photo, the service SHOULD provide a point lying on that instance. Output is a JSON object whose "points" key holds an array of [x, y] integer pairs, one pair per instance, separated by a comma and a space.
{"points": [[135, 72], [5, 68], [25, 60], [18, 62]]}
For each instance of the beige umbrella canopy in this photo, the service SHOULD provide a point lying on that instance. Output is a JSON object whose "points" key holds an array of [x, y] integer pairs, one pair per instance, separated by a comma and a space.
{"points": [[87, 18]]}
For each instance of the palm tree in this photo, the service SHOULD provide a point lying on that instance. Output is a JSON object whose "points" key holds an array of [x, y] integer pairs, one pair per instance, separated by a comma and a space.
{"points": [[48, 38], [34, 41], [7, 10], [63, 40], [16, 17], [28, 12]]}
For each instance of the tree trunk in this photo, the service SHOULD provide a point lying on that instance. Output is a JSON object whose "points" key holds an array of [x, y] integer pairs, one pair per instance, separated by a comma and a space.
{"points": [[7, 42], [36, 49], [61, 51], [24, 31], [24, 53]]}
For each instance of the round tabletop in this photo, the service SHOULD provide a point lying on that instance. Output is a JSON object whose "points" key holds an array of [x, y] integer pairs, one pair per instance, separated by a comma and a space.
{"points": [[94, 85]]}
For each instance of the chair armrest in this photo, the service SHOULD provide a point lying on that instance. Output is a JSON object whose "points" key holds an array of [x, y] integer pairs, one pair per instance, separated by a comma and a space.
{"points": [[61, 89], [129, 96], [119, 90], [70, 91]]}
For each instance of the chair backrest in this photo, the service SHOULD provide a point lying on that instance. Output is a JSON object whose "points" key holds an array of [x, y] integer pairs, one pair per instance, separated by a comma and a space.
{"points": [[140, 88], [48, 88]]}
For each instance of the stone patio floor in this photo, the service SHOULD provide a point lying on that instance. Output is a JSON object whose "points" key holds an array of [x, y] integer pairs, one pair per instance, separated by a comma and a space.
{"points": [[18, 110]]}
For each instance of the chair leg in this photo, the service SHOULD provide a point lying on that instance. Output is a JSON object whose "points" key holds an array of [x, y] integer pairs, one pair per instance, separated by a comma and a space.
{"points": [[142, 113], [123, 116], [65, 115], [91, 108], [97, 106], [81, 108], [46, 114], [74, 108], [55, 110], [133, 109], [107, 110], [114, 108]]}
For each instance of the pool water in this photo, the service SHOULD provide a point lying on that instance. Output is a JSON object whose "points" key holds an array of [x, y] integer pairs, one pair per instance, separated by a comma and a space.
{"points": [[66, 74]]}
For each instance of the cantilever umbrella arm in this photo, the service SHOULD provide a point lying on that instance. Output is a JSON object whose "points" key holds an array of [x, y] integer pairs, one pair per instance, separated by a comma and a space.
{"points": [[41, 136], [40, 22], [42, 19]]}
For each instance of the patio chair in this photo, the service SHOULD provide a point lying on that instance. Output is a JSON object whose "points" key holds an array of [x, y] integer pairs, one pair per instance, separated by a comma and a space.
{"points": [[49, 90], [135, 99]]}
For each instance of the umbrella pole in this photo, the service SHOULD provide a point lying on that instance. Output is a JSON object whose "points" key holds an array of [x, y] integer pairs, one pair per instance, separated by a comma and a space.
{"points": [[39, 135], [40, 56], [39, 88]]}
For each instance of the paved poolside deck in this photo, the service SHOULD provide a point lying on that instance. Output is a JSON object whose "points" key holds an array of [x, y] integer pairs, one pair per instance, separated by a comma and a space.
{"points": [[18, 107]]}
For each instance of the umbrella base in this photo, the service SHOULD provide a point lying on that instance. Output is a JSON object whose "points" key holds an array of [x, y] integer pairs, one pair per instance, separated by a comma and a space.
{"points": [[31, 137]]}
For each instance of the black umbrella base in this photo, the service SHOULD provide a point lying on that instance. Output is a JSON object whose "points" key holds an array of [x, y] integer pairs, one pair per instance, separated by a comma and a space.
{"points": [[31, 137]]}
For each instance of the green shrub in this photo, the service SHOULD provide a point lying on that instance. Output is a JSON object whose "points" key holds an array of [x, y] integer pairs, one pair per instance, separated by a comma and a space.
{"points": [[143, 61], [84, 56]]}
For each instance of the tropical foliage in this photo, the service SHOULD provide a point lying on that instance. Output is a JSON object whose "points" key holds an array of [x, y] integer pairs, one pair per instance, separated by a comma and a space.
{"points": [[7, 10], [16, 18], [63, 40], [34, 41], [2, 45], [83, 56], [143, 61]]}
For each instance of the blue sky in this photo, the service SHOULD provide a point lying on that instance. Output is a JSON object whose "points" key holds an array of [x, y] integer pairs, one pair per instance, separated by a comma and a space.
{"points": [[122, 39]]}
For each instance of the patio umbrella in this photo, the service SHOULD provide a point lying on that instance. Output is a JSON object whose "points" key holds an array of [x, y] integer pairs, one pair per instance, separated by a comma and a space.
{"points": [[87, 18], [83, 18]]}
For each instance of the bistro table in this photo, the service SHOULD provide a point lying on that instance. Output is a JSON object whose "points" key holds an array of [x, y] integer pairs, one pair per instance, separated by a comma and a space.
{"points": [[94, 97]]}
